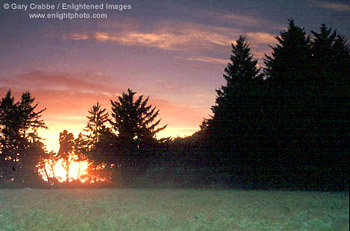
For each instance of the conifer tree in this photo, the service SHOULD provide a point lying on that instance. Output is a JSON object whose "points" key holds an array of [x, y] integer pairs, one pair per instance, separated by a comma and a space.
{"points": [[323, 53], [341, 66], [31, 119], [331, 58], [134, 120], [136, 125], [97, 119], [19, 122], [100, 142], [291, 58], [234, 111], [240, 73]]}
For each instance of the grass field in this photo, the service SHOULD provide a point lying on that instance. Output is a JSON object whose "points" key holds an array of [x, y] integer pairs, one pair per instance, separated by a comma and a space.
{"points": [[167, 209]]}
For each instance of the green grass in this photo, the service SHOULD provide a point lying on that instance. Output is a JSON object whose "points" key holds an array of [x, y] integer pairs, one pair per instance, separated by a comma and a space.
{"points": [[167, 209]]}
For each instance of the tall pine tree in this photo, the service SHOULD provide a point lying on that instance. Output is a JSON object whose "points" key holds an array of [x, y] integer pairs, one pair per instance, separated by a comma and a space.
{"points": [[323, 53], [19, 122], [136, 125], [290, 60], [234, 113], [97, 119], [133, 119], [341, 67], [100, 141]]}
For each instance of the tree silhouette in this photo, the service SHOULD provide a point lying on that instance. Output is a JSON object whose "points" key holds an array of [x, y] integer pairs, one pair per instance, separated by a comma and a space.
{"points": [[331, 57], [341, 49], [105, 150], [31, 120], [234, 110], [241, 72], [341, 67], [65, 152], [291, 82], [291, 57], [243, 66], [309, 86], [292, 123], [97, 119], [134, 120], [80, 150], [30, 158], [19, 122], [101, 147], [136, 124], [323, 53], [48, 159]]}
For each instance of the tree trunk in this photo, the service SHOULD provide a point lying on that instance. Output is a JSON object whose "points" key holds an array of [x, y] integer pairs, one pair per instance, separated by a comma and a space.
{"points": [[67, 164]]}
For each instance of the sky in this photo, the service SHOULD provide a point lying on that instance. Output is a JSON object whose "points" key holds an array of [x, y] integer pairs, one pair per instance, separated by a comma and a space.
{"points": [[174, 52]]}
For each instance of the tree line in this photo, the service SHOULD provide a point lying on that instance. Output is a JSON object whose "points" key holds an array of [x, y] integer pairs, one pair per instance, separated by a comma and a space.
{"points": [[129, 138], [282, 125], [288, 122]]}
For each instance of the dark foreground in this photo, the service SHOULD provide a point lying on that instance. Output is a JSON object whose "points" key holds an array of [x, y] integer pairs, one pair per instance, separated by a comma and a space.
{"points": [[171, 209]]}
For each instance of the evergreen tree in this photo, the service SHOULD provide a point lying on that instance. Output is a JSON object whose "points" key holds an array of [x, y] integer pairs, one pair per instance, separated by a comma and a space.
{"points": [[290, 60], [31, 120], [341, 66], [97, 119], [243, 67], [332, 107], [134, 120], [308, 106], [19, 122], [136, 125], [100, 143], [10, 137], [29, 163], [239, 74], [331, 58], [323, 53], [294, 123], [234, 111], [10, 120], [106, 152], [290, 81]]}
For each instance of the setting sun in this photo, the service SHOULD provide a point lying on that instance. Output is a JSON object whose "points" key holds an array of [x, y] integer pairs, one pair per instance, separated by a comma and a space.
{"points": [[78, 171]]}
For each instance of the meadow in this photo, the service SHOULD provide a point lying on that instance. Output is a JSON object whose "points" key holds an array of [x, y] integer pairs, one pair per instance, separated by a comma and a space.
{"points": [[171, 209]]}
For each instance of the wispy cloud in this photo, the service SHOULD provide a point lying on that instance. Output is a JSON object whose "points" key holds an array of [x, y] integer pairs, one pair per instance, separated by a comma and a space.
{"points": [[234, 18], [171, 37], [166, 41], [77, 36], [261, 38], [176, 36], [333, 6], [206, 60]]}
